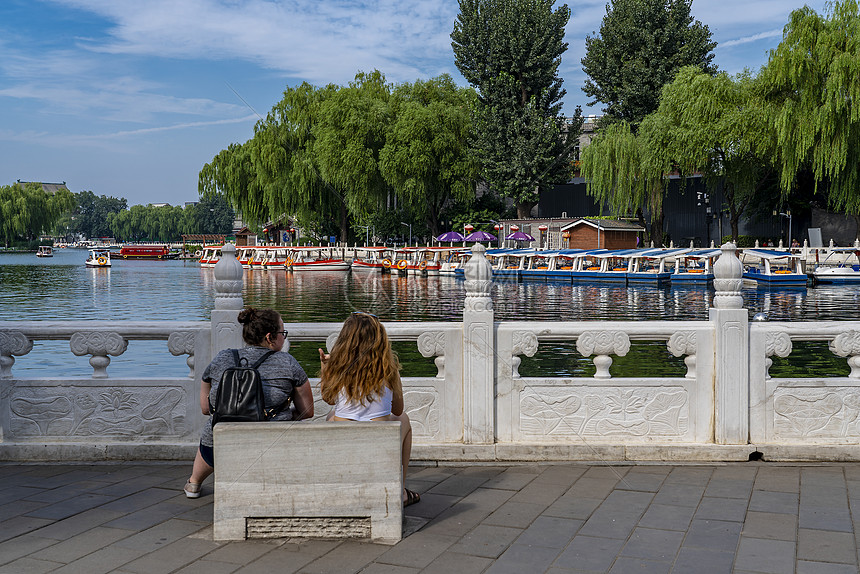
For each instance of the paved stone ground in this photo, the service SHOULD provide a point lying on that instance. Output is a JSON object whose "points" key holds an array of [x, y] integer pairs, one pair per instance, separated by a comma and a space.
{"points": [[560, 519]]}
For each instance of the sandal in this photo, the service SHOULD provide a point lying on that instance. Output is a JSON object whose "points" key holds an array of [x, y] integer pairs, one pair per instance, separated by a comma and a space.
{"points": [[192, 490], [411, 498]]}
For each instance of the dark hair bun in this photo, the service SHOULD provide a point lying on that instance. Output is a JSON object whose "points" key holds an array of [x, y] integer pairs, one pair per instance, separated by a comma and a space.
{"points": [[247, 315]]}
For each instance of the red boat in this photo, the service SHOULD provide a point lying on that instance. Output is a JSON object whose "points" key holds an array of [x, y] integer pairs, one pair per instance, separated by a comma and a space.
{"points": [[147, 252]]}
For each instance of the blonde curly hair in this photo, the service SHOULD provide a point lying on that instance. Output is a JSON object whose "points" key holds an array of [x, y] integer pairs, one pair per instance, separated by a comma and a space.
{"points": [[361, 363]]}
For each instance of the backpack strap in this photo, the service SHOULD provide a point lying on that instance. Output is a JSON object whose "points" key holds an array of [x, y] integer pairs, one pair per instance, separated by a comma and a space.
{"points": [[236, 358]]}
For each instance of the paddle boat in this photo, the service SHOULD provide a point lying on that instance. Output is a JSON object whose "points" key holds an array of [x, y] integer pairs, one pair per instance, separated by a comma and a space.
{"points": [[415, 261], [314, 259], [211, 255], [697, 266], [450, 258], [98, 258], [603, 265], [651, 265], [45, 251], [840, 269], [369, 259], [244, 254], [507, 262], [774, 268]]}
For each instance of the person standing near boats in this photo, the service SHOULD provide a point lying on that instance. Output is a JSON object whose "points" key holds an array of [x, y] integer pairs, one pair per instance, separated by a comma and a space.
{"points": [[283, 380]]}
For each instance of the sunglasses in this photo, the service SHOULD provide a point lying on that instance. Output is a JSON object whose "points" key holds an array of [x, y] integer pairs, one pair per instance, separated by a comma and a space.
{"points": [[365, 313]]}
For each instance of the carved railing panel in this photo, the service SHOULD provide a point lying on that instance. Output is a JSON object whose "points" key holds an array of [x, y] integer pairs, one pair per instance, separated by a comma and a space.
{"points": [[99, 344], [432, 344], [602, 344], [12, 343]]}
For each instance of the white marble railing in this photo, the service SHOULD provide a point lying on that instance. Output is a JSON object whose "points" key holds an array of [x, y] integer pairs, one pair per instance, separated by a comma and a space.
{"points": [[477, 406]]}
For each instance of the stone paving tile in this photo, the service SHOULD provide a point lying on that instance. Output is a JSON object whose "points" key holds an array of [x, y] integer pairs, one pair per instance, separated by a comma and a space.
{"points": [[149, 516], [160, 535], [589, 553], [540, 493], [511, 479], [638, 480], [770, 525], [691, 476], [625, 565], [627, 501], [610, 525], [22, 546], [101, 561], [460, 563], [487, 472], [519, 558], [346, 558], [172, 557], [28, 565], [486, 541], [389, 569], [418, 550], [288, 558], [653, 544], [20, 525], [130, 485], [74, 525], [592, 487], [467, 513], [608, 472], [18, 507], [432, 505], [458, 485], [573, 507], [208, 567], [70, 507], [67, 491], [516, 514], [777, 502], [431, 473], [735, 472], [823, 476], [562, 474], [82, 544], [778, 480], [806, 567], [550, 532], [679, 494], [713, 534], [703, 561], [140, 500], [826, 546], [838, 519], [761, 555], [18, 492], [729, 488], [241, 552], [731, 509], [667, 517]]}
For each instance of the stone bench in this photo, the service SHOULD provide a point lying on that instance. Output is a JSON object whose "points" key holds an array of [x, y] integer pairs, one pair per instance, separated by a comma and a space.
{"points": [[308, 480]]}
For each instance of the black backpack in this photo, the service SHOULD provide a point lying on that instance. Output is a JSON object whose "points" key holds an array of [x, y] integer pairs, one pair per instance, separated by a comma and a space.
{"points": [[240, 394]]}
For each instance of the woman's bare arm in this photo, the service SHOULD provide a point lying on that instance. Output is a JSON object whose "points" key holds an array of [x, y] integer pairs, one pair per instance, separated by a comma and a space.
{"points": [[303, 399]]}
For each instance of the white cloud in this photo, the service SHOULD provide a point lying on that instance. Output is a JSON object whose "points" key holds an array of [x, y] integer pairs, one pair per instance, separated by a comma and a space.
{"points": [[754, 38]]}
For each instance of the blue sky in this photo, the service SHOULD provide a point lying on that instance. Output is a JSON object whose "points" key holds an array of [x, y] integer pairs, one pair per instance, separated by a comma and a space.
{"points": [[130, 98]]}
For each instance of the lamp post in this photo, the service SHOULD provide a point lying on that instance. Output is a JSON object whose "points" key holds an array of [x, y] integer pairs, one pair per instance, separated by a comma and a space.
{"points": [[542, 229], [366, 233], [409, 225], [788, 215], [498, 227]]}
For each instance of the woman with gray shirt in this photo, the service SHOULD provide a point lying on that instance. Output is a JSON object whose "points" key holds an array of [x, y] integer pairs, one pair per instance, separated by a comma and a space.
{"points": [[283, 379]]}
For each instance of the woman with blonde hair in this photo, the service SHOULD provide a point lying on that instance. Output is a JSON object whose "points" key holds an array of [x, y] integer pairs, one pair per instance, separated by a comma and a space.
{"points": [[361, 378]]}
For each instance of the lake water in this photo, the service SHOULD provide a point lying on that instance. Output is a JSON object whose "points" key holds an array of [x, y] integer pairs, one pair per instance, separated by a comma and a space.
{"points": [[62, 288]]}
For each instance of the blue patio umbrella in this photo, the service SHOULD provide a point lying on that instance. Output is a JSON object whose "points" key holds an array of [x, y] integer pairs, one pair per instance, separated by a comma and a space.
{"points": [[480, 236], [450, 236]]}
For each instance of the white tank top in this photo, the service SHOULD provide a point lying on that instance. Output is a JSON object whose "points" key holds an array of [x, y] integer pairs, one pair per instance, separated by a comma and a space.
{"points": [[379, 407]]}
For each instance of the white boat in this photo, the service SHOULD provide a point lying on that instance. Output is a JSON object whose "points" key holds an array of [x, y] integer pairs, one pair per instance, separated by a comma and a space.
{"points": [[837, 267], [651, 266], [774, 268], [697, 266], [416, 261], [211, 255], [244, 255], [45, 251], [369, 259], [314, 259], [98, 258]]}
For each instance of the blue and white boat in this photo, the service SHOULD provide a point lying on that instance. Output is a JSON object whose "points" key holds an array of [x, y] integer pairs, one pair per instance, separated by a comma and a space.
{"points": [[697, 266], [774, 268], [603, 265], [841, 270], [651, 265]]}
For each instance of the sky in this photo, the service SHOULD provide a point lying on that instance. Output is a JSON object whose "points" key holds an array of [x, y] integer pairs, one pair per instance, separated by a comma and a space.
{"points": [[130, 98]]}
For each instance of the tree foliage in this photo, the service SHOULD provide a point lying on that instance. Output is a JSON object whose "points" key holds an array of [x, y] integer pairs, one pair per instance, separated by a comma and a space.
{"points": [[90, 218], [27, 210], [426, 157], [640, 47], [812, 84], [510, 50]]}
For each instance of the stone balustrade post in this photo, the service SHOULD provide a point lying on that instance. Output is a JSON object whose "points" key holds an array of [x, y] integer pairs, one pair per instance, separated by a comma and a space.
{"points": [[226, 331], [731, 385], [479, 342]]}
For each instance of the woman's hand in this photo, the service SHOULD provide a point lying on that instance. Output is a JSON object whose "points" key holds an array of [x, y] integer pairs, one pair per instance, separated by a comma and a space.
{"points": [[323, 356]]}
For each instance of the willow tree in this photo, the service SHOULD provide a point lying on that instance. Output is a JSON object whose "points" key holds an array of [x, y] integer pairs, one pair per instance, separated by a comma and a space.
{"points": [[426, 154], [812, 81], [716, 125], [510, 51], [625, 171], [27, 210]]}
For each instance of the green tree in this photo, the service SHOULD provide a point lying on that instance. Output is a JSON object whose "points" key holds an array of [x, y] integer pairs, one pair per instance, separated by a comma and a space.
{"points": [[812, 83], [716, 125], [91, 216], [28, 211], [510, 50], [212, 215], [640, 47], [426, 154]]}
